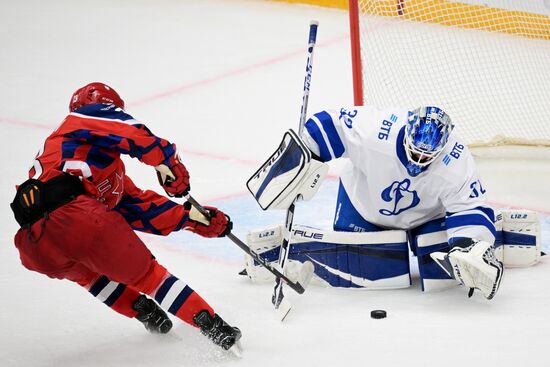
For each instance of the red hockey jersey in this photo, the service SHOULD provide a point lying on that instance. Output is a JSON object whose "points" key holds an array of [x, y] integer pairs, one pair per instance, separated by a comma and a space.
{"points": [[88, 144]]}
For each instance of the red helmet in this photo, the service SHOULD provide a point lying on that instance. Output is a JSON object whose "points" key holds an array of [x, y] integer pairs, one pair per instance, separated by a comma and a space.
{"points": [[95, 93]]}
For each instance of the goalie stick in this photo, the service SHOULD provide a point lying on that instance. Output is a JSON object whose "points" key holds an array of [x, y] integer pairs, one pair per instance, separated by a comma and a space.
{"points": [[306, 272], [278, 300]]}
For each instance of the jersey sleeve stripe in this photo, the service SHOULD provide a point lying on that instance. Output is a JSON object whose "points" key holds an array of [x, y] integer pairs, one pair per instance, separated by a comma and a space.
{"points": [[468, 220], [332, 135], [457, 221], [489, 213], [315, 132]]}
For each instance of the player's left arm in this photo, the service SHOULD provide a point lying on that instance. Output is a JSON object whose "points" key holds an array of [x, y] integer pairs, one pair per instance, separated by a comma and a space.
{"points": [[147, 211]]}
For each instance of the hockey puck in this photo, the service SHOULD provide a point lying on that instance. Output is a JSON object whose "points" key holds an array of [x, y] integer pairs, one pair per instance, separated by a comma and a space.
{"points": [[378, 314]]}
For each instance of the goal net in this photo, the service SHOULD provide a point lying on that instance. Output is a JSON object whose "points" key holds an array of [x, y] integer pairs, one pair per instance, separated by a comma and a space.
{"points": [[486, 62]]}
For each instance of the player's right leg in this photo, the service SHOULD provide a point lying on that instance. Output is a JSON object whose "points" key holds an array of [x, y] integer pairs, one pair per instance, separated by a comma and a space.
{"points": [[128, 302], [82, 239], [178, 298], [144, 274], [125, 259]]}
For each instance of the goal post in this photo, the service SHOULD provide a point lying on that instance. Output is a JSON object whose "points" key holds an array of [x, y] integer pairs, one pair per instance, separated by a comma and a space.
{"points": [[486, 62]]}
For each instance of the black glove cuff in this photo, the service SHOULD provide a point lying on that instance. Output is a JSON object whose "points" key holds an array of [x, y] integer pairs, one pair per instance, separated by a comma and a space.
{"points": [[228, 228]]}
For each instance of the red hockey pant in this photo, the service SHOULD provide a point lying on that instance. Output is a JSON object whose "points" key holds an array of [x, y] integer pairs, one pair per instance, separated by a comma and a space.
{"points": [[84, 242]]}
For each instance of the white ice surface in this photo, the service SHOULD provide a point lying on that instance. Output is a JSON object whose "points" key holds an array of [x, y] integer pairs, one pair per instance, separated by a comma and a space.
{"points": [[223, 79]]}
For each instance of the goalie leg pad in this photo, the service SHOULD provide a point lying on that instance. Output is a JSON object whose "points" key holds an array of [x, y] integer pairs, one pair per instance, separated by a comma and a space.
{"points": [[348, 260], [425, 240], [518, 241], [266, 242]]}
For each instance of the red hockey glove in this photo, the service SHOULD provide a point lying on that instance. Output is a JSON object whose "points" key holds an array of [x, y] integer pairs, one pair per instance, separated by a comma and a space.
{"points": [[174, 179], [218, 225]]}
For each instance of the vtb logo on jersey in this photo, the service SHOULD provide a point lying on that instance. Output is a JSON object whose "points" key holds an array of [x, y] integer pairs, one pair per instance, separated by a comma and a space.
{"points": [[400, 196]]}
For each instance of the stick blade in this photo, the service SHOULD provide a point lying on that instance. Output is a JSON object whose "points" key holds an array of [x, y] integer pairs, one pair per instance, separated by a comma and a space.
{"points": [[284, 308]]}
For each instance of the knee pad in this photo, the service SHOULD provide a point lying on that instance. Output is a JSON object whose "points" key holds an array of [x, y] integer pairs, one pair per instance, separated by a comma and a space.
{"points": [[341, 259]]}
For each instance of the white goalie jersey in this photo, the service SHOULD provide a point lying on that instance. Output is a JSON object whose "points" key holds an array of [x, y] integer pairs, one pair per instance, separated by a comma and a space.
{"points": [[379, 185]]}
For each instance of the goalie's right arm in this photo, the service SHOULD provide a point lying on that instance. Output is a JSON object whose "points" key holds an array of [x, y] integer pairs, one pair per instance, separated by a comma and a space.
{"points": [[322, 137]]}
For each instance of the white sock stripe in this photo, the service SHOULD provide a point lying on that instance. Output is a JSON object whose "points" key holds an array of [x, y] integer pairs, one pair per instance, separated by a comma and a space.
{"points": [[107, 291], [174, 292]]}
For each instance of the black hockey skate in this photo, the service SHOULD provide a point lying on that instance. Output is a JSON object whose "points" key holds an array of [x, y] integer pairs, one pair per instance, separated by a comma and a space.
{"points": [[217, 330], [151, 315]]}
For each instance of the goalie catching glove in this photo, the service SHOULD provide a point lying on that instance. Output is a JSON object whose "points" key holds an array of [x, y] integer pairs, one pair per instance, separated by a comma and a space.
{"points": [[218, 225], [473, 264], [174, 179]]}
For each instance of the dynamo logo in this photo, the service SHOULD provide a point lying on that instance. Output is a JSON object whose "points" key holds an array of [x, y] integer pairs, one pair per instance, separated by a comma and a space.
{"points": [[402, 198]]}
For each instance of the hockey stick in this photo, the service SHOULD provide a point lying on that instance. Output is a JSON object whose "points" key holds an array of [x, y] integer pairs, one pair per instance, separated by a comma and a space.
{"points": [[278, 296], [298, 286]]}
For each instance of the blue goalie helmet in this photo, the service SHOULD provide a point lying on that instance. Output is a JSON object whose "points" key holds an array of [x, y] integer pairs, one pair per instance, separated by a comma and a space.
{"points": [[426, 134]]}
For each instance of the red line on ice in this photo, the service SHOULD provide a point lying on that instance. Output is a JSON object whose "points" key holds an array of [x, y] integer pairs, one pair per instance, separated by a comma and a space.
{"points": [[231, 73]]}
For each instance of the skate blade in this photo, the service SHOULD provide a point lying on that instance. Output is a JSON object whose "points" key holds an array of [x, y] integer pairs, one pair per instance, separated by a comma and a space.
{"points": [[236, 350], [284, 308]]}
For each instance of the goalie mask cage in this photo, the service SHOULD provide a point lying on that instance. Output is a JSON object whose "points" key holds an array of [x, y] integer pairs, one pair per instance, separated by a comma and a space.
{"points": [[485, 62]]}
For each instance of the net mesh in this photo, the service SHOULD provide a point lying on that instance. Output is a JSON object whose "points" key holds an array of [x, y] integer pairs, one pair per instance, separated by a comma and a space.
{"points": [[488, 66]]}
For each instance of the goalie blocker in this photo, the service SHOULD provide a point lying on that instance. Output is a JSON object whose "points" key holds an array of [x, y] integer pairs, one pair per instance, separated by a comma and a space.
{"points": [[288, 174]]}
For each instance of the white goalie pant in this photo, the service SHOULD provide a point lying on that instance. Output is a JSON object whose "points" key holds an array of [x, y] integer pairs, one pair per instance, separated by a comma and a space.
{"points": [[369, 260]]}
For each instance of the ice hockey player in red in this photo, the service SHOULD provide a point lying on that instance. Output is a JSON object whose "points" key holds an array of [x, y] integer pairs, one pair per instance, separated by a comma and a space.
{"points": [[79, 210]]}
